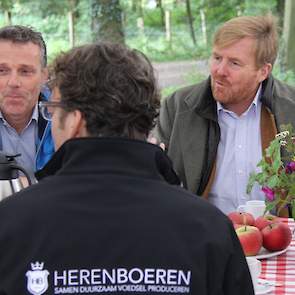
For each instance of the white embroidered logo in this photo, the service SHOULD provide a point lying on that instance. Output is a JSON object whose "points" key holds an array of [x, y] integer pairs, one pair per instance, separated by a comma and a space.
{"points": [[37, 282]]}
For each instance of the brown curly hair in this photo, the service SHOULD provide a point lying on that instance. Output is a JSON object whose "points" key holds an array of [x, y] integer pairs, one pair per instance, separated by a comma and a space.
{"points": [[113, 86]]}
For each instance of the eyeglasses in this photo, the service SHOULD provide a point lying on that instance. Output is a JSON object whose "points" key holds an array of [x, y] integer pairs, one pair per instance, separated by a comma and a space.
{"points": [[47, 108]]}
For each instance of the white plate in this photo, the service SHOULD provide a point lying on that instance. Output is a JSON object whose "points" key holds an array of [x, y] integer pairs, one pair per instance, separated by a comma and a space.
{"points": [[263, 289], [263, 253]]}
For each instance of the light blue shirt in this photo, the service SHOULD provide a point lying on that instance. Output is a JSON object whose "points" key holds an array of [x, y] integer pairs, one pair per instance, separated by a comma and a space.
{"points": [[23, 143], [238, 153]]}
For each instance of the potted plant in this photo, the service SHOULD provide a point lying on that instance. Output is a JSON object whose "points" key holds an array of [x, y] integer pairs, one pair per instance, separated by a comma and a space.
{"points": [[277, 172]]}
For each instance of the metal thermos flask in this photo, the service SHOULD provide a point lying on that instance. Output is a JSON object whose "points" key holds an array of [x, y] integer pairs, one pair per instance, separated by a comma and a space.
{"points": [[9, 176]]}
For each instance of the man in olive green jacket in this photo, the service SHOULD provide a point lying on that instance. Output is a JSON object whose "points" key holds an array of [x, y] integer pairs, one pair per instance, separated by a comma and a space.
{"points": [[190, 125]]}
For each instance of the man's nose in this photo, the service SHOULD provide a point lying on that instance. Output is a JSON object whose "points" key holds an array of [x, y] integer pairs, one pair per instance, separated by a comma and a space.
{"points": [[14, 80], [222, 68]]}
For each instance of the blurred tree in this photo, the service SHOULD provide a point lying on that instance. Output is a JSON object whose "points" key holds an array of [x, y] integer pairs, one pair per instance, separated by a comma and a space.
{"points": [[6, 6], [190, 21], [288, 34], [58, 8], [160, 6], [203, 21], [45, 8], [72, 5], [106, 20], [281, 12], [137, 7]]}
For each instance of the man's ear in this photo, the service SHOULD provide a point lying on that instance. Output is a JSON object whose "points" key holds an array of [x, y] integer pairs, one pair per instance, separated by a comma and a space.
{"points": [[76, 124], [265, 71]]}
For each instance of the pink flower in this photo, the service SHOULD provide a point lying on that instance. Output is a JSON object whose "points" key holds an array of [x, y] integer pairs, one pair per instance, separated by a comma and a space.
{"points": [[290, 167], [269, 193]]}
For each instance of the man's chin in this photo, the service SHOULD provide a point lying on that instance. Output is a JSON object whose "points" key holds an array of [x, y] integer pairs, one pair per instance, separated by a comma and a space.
{"points": [[220, 97], [15, 112]]}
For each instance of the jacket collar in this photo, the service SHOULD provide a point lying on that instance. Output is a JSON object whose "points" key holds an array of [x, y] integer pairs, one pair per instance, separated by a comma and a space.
{"points": [[201, 100], [110, 155], [42, 123], [267, 97]]}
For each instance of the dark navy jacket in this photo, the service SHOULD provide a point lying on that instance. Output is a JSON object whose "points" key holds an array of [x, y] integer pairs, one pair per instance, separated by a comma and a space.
{"points": [[108, 222]]}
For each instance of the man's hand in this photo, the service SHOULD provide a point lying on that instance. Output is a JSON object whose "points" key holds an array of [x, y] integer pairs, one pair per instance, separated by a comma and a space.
{"points": [[153, 140], [24, 181]]}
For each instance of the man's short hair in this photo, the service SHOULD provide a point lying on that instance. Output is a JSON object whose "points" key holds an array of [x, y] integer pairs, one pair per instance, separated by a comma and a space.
{"points": [[262, 29], [113, 86], [22, 34]]}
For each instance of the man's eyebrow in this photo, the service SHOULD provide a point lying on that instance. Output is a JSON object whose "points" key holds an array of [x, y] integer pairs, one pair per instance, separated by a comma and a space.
{"points": [[236, 59], [26, 66]]}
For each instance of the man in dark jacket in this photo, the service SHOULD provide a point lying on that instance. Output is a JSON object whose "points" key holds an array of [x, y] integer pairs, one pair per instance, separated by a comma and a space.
{"points": [[216, 131], [105, 216]]}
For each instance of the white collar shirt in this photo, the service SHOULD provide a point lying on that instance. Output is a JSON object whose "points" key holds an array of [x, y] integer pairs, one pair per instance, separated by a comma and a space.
{"points": [[238, 153], [23, 143]]}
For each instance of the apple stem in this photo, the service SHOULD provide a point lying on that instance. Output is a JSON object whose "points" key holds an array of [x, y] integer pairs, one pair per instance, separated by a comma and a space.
{"points": [[244, 219]]}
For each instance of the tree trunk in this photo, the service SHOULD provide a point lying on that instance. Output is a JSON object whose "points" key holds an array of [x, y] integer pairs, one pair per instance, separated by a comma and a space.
{"points": [[71, 28], [203, 22], [134, 5], [8, 20], [72, 4], [281, 12], [190, 21], [160, 6], [288, 34], [168, 26], [106, 22]]}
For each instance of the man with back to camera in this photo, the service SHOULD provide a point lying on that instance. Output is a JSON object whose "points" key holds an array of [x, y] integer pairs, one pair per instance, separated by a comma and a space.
{"points": [[216, 131], [23, 74], [105, 216]]}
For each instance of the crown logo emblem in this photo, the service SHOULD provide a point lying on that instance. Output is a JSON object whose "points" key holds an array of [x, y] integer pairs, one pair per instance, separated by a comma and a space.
{"points": [[37, 266], [37, 279]]}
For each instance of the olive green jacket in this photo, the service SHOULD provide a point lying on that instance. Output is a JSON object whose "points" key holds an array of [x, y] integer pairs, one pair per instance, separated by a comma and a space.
{"points": [[189, 128]]}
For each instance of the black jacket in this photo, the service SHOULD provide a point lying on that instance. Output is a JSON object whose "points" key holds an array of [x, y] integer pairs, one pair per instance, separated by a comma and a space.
{"points": [[109, 222]]}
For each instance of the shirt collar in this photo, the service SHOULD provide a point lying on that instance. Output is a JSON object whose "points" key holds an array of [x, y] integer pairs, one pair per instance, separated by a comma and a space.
{"points": [[34, 117], [35, 114], [255, 102]]}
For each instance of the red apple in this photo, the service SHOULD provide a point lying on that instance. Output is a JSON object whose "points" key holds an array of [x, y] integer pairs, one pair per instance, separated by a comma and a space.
{"points": [[241, 218], [262, 221], [276, 236], [250, 238], [238, 225]]}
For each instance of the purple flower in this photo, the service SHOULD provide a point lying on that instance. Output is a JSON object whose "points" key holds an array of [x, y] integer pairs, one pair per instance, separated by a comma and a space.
{"points": [[290, 167], [269, 193]]}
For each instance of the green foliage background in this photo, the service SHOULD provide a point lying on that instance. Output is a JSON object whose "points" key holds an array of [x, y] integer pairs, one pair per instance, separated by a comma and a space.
{"points": [[50, 17]]}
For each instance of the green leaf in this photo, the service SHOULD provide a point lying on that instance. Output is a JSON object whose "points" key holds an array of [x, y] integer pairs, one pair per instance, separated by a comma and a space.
{"points": [[251, 182], [271, 205], [273, 181], [277, 163]]}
